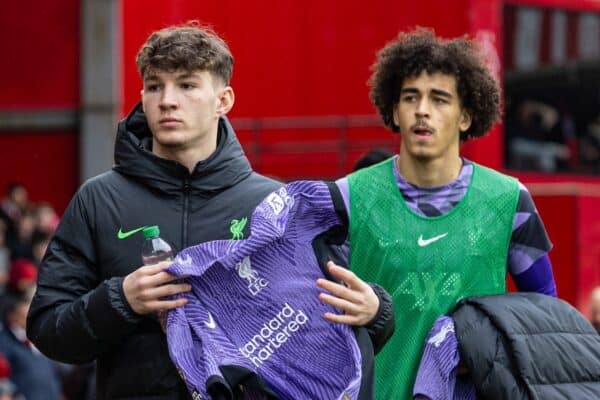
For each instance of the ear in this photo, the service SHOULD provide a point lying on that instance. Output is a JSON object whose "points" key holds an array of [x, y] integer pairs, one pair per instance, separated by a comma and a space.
{"points": [[465, 120], [225, 101], [142, 99], [395, 115]]}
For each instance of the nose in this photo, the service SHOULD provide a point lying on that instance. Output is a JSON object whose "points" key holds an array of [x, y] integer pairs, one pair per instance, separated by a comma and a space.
{"points": [[168, 98], [422, 110]]}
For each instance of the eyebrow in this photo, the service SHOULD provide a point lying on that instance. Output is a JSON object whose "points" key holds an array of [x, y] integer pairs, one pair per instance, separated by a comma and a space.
{"points": [[183, 75], [150, 78], [437, 92]]}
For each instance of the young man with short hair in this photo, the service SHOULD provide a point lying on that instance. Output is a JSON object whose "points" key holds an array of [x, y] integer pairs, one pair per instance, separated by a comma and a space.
{"points": [[428, 225], [178, 165]]}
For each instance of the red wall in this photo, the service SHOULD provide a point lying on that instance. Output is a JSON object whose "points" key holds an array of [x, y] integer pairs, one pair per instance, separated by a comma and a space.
{"points": [[571, 214], [589, 248], [40, 71], [40, 54], [292, 58], [562, 221], [45, 162]]}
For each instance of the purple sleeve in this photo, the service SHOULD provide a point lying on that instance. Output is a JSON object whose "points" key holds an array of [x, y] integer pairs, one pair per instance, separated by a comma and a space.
{"points": [[342, 184], [537, 278], [528, 261]]}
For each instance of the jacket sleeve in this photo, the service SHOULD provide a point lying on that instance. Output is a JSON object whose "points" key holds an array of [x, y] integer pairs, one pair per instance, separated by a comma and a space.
{"points": [[382, 326], [75, 315]]}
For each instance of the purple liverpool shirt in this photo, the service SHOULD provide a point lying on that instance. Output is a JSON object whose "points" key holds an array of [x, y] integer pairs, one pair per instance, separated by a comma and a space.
{"points": [[437, 377], [254, 305]]}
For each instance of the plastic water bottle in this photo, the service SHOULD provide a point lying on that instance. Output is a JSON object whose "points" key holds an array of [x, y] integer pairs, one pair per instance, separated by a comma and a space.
{"points": [[155, 249]]}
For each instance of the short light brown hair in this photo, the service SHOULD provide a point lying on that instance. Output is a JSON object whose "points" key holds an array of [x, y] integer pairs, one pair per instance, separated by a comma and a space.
{"points": [[420, 50], [188, 47]]}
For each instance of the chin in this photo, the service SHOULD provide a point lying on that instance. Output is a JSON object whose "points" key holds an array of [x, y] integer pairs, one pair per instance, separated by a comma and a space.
{"points": [[171, 144], [421, 154], [170, 138], [423, 158]]}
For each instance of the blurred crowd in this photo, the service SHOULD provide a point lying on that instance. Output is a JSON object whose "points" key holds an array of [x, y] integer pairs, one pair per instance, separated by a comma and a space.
{"points": [[25, 374], [548, 138]]}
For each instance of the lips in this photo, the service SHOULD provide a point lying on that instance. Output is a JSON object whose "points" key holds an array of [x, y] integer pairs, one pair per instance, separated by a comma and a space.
{"points": [[422, 131], [169, 122]]}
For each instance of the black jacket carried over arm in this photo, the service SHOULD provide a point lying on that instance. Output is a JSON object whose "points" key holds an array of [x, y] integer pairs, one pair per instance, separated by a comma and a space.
{"points": [[527, 346], [79, 312]]}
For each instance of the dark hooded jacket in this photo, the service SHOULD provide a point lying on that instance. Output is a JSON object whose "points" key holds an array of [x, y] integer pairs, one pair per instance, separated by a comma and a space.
{"points": [[79, 312], [527, 346]]}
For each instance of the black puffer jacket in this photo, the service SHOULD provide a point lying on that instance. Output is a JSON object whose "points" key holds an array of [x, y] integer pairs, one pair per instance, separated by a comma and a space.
{"points": [[528, 346], [79, 312]]}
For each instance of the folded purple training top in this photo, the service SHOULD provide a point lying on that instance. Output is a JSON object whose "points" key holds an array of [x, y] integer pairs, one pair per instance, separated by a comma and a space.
{"points": [[253, 315]]}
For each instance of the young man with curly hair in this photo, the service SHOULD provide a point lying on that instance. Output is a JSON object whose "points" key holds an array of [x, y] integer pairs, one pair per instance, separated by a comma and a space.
{"points": [[179, 165], [427, 224]]}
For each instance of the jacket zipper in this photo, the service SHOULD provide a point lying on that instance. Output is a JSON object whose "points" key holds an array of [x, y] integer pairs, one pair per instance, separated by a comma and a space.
{"points": [[186, 203]]}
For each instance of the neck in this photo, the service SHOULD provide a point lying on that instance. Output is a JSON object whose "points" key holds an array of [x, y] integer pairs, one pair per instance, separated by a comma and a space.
{"points": [[429, 173], [190, 154]]}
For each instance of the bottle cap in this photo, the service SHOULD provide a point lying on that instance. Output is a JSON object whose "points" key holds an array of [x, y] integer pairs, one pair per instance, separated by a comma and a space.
{"points": [[151, 232]]}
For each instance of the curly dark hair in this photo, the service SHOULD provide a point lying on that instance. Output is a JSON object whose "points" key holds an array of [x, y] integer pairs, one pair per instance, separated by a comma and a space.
{"points": [[420, 50], [188, 47]]}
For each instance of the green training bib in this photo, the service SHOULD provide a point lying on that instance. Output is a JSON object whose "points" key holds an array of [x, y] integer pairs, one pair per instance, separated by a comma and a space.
{"points": [[427, 264]]}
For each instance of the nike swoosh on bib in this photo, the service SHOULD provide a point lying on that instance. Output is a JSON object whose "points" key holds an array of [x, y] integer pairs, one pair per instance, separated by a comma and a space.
{"points": [[124, 235], [426, 242]]}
